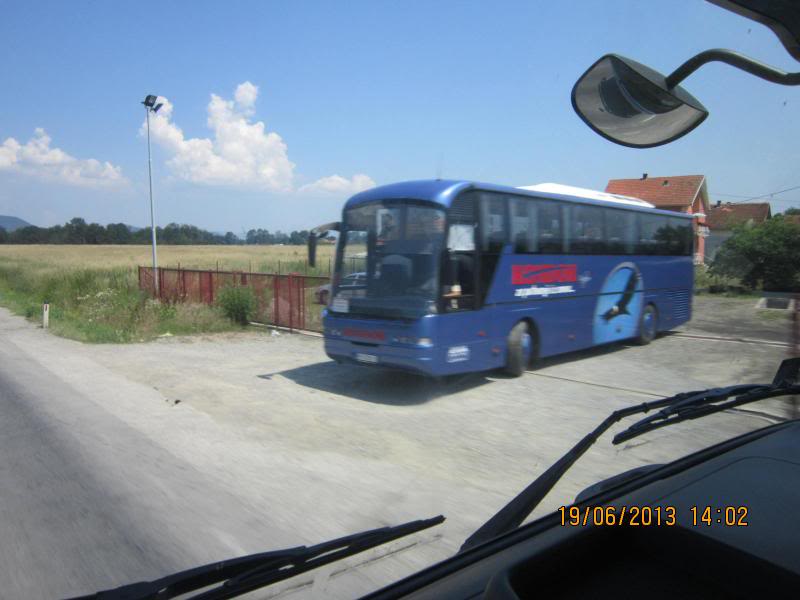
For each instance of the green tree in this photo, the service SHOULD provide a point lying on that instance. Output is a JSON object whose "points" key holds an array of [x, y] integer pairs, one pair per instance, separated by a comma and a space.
{"points": [[75, 231], [28, 235], [767, 254], [792, 211], [3, 236], [96, 234], [118, 233]]}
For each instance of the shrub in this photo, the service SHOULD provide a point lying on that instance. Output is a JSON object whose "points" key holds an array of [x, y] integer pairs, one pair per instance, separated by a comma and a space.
{"points": [[237, 303], [765, 255]]}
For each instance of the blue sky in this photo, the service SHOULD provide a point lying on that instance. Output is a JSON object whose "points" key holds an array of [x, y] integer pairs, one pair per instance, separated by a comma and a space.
{"points": [[353, 94]]}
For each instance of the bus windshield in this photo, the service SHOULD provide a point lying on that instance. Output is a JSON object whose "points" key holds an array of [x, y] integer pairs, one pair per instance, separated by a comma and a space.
{"points": [[388, 260]]}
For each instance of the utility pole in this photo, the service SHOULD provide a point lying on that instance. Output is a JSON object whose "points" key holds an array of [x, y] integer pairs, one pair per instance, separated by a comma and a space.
{"points": [[151, 106]]}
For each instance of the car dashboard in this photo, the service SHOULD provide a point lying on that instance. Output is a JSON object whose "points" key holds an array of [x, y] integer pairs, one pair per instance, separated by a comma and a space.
{"points": [[727, 526]]}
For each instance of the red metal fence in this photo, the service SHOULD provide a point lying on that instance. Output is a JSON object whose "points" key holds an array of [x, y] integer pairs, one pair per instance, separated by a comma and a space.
{"points": [[284, 300]]}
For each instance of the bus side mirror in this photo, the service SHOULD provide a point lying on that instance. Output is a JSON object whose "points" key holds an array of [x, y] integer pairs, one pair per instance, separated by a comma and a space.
{"points": [[312, 240], [632, 105], [312, 249]]}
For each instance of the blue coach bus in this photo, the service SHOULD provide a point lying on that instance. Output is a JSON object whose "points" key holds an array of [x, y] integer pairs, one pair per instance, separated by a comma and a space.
{"points": [[444, 277]]}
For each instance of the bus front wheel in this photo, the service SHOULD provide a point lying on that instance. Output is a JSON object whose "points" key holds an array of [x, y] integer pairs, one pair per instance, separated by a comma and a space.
{"points": [[648, 325], [520, 349]]}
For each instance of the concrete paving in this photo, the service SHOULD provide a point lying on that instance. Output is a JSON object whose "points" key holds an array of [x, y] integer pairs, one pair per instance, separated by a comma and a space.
{"points": [[186, 450]]}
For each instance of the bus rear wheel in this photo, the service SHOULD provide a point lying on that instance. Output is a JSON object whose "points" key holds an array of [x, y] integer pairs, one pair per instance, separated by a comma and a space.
{"points": [[520, 349], [648, 325]]}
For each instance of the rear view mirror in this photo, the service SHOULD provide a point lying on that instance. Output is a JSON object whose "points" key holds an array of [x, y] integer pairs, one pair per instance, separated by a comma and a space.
{"points": [[312, 249], [312, 240], [631, 104]]}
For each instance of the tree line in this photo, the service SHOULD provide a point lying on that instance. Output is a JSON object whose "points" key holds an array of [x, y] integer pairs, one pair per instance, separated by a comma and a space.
{"points": [[78, 231]]}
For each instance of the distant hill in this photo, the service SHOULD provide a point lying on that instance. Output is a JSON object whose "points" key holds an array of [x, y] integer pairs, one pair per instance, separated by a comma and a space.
{"points": [[12, 223]]}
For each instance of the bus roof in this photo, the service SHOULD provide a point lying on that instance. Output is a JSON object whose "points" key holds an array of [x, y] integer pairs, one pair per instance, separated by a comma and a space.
{"points": [[568, 190], [444, 191]]}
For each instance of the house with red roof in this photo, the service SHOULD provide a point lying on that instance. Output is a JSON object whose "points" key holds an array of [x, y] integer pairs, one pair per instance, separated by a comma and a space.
{"points": [[680, 193], [722, 218]]}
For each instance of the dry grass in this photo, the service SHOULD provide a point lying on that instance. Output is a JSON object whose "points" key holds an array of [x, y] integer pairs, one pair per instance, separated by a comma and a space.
{"points": [[94, 293], [264, 259]]}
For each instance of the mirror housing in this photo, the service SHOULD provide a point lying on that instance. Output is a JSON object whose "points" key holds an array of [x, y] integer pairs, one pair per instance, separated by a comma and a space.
{"points": [[631, 104], [312, 250], [312, 240]]}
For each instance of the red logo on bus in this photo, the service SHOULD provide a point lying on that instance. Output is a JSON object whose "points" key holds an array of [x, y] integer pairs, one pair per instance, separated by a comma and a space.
{"points": [[528, 274], [367, 334]]}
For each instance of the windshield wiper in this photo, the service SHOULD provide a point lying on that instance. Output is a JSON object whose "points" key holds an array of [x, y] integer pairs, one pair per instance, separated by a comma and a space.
{"points": [[683, 406], [247, 573]]}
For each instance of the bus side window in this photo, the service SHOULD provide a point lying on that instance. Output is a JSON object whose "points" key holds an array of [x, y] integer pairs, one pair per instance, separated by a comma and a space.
{"points": [[549, 217], [493, 216], [458, 279], [620, 231], [586, 230], [524, 226], [653, 235], [683, 245]]}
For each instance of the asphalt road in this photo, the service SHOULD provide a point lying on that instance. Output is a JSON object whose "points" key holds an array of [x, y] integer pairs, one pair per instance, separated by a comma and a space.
{"points": [[103, 483], [128, 462], [88, 502]]}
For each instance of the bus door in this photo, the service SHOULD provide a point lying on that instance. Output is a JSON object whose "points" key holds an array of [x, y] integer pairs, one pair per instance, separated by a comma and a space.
{"points": [[463, 333]]}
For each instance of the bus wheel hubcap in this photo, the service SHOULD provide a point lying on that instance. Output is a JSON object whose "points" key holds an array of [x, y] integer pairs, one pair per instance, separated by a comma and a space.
{"points": [[649, 323], [526, 347]]}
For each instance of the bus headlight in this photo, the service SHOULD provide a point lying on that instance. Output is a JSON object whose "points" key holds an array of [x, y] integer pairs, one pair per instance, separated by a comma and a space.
{"points": [[334, 332], [412, 341]]}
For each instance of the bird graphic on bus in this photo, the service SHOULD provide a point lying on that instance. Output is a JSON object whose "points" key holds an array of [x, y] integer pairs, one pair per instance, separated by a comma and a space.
{"points": [[621, 307]]}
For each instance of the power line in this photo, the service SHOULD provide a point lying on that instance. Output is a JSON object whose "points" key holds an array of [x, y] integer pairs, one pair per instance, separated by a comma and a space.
{"points": [[731, 195], [747, 199]]}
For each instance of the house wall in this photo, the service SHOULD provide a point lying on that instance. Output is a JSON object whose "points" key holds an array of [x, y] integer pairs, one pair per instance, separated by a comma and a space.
{"points": [[699, 240]]}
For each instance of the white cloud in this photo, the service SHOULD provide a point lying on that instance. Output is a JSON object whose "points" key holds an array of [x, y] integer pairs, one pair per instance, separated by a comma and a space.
{"points": [[240, 153], [37, 158], [336, 184], [246, 95]]}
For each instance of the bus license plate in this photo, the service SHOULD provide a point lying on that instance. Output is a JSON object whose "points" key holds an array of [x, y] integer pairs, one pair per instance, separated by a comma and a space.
{"points": [[366, 358]]}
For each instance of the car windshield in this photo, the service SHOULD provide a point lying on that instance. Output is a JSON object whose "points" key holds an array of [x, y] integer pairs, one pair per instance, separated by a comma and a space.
{"points": [[274, 273], [388, 260]]}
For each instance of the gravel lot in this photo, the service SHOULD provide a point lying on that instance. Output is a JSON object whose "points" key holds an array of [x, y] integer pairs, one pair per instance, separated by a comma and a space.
{"points": [[332, 448]]}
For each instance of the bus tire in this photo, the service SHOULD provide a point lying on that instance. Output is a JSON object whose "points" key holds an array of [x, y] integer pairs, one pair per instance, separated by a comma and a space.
{"points": [[520, 349], [648, 325]]}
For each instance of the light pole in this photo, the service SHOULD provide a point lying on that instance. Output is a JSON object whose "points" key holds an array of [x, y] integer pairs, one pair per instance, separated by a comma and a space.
{"points": [[151, 106]]}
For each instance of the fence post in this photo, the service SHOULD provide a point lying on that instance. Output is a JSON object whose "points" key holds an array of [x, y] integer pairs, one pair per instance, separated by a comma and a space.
{"points": [[291, 307], [301, 300], [276, 287]]}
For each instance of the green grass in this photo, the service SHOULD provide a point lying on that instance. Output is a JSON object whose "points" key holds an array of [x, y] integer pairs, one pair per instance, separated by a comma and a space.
{"points": [[99, 305], [768, 314]]}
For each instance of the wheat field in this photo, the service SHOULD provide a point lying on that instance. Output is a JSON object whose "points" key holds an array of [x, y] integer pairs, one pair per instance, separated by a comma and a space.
{"points": [[93, 291], [263, 259]]}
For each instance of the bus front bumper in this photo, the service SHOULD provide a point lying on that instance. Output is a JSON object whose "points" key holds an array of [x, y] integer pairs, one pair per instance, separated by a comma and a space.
{"points": [[414, 359]]}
